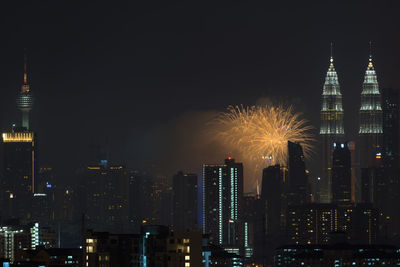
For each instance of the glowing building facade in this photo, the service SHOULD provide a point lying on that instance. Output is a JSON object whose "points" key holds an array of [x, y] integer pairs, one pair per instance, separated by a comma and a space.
{"points": [[222, 204], [331, 129], [370, 133], [18, 183]]}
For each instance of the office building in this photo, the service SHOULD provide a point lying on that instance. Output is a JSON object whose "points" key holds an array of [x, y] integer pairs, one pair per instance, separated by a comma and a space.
{"points": [[161, 198], [184, 202], [391, 156], [331, 128], [316, 222], [140, 204], [341, 173], [311, 223], [298, 189], [370, 131], [222, 204], [391, 127], [106, 197]]}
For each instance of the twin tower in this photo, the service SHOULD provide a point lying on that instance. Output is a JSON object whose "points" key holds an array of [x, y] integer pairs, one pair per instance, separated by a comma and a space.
{"points": [[332, 128]]}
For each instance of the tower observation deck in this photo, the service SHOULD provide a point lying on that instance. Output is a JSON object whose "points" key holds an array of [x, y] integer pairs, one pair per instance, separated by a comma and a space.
{"points": [[25, 98]]}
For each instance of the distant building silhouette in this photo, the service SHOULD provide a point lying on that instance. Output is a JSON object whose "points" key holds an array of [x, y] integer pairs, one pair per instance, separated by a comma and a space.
{"points": [[184, 190], [341, 173], [391, 157], [298, 188], [106, 202], [391, 127], [140, 203]]}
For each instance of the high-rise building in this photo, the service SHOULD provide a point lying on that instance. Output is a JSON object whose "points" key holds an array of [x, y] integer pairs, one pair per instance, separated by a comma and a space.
{"points": [[140, 202], [106, 191], [370, 132], [222, 204], [314, 223], [311, 223], [298, 189], [184, 201], [391, 127], [271, 209], [331, 129], [161, 198], [391, 156], [341, 173], [250, 204], [271, 197], [18, 184]]}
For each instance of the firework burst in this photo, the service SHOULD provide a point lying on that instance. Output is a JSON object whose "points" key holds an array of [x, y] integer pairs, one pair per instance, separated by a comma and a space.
{"points": [[260, 134]]}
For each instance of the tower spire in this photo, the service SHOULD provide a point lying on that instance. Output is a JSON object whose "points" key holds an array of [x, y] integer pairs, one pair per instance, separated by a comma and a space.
{"points": [[370, 65], [370, 49], [25, 68], [331, 67], [25, 88], [25, 97]]}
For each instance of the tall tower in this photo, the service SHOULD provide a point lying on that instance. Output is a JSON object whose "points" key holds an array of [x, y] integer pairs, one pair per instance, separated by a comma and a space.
{"points": [[17, 186], [25, 98], [370, 133], [331, 129], [222, 204]]}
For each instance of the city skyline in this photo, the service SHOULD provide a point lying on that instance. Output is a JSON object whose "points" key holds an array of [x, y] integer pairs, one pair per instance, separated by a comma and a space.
{"points": [[80, 75], [199, 134]]}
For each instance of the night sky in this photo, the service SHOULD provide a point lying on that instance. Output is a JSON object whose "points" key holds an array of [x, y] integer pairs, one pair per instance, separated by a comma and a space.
{"points": [[144, 77]]}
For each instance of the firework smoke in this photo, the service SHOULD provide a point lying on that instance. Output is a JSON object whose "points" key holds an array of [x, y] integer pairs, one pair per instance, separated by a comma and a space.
{"points": [[260, 134]]}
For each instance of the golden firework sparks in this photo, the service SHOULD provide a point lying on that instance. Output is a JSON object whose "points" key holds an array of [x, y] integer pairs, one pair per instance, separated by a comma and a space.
{"points": [[261, 133]]}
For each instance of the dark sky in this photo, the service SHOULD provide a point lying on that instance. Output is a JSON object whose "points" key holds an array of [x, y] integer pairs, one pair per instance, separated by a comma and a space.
{"points": [[133, 74]]}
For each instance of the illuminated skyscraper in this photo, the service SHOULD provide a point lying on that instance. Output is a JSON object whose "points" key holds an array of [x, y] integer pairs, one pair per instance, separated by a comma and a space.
{"points": [[370, 119], [331, 128], [222, 203], [18, 184]]}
